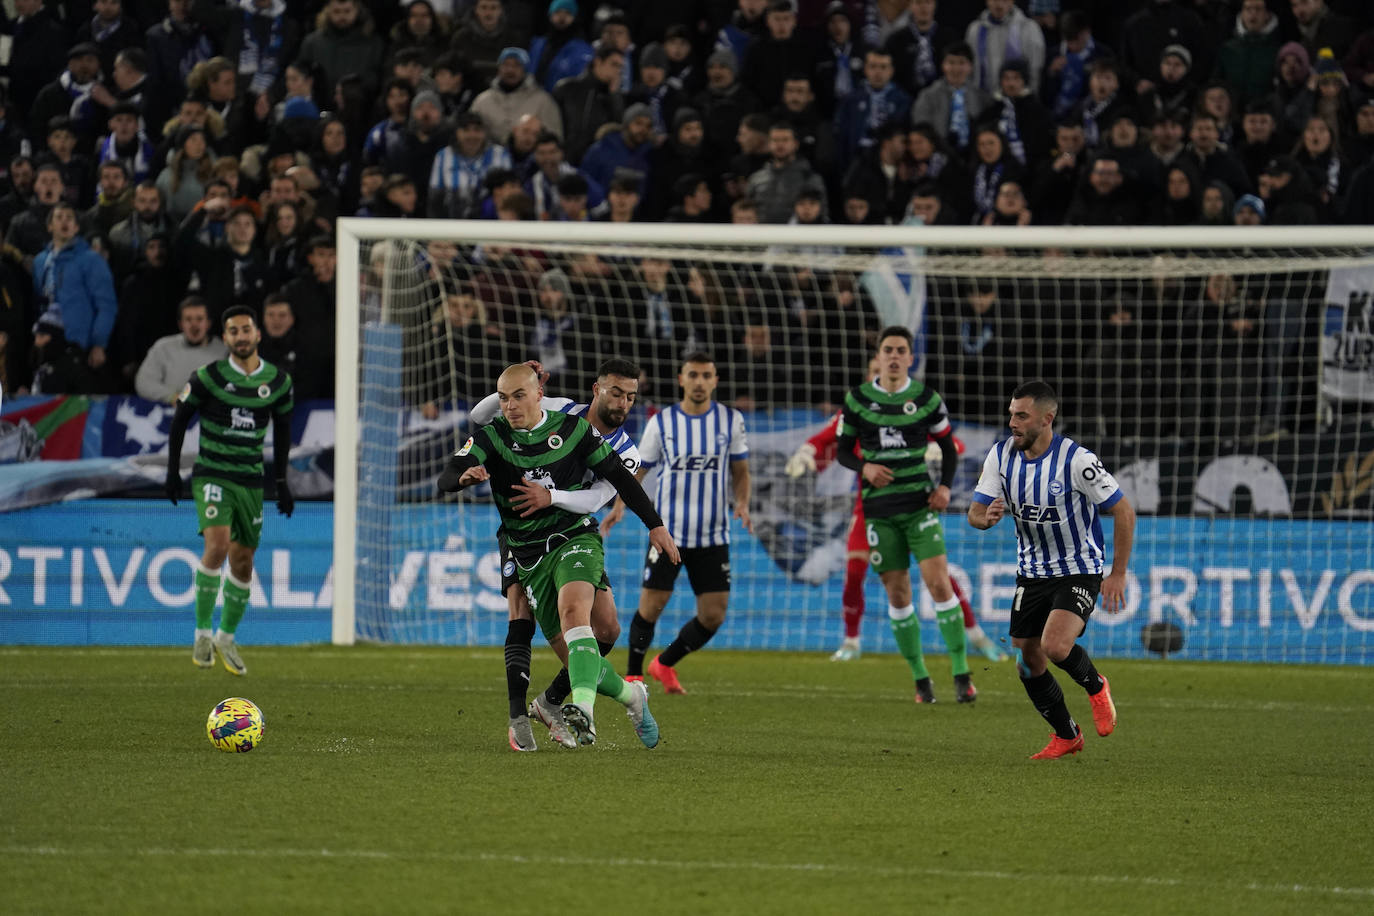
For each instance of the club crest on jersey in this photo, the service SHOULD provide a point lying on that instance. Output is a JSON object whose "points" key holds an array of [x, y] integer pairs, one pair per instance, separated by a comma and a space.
{"points": [[555, 441], [875, 557], [1056, 488], [721, 439], [263, 391], [467, 447], [909, 408], [508, 569]]}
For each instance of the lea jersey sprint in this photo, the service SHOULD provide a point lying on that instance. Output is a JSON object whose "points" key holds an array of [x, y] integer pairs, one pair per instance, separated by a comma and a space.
{"points": [[1055, 501]]}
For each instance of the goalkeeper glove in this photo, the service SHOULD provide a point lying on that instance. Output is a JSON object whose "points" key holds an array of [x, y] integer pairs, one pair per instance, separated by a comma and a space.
{"points": [[802, 460], [286, 503], [172, 488]]}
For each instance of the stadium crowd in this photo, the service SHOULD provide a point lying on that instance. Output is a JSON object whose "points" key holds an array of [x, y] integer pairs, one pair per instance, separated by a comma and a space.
{"points": [[161, 162]]}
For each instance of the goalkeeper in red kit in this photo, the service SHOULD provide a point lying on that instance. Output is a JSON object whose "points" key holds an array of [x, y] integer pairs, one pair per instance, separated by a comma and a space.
{"points": [[815, 455]]}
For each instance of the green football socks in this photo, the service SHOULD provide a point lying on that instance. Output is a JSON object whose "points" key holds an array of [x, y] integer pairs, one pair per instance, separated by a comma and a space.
{"points": [[235, 603], [585, 667], [951, 622], [906, 629], [207, 592]]}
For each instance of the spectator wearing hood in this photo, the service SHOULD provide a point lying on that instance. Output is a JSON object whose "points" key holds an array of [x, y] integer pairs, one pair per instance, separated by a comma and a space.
{"points": [[484, 32], [1003, 33], [627, 148], [344, 43], [1218, 205], [1180, 204], [1246, 60], [590, 100], [514, 93], [562, 52]]}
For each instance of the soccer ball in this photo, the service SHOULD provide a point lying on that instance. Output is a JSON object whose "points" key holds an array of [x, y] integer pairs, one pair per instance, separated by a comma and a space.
{"points": [[235, 726]]}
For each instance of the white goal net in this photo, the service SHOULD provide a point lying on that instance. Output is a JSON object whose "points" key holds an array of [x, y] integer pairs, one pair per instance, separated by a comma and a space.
{"points": [[1225, 376]]}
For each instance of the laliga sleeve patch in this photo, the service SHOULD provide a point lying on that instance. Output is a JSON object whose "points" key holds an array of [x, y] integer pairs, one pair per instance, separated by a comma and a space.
{"points": [[184, 393], [467, 447]]}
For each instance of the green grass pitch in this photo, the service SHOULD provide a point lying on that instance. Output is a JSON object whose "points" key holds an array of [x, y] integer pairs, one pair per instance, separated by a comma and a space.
{"points": [[784, 784]]}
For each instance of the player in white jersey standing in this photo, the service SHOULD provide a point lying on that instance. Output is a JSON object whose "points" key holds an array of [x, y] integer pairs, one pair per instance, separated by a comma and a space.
{"points": [[613, 394], [700, 447], [1054, 490]]}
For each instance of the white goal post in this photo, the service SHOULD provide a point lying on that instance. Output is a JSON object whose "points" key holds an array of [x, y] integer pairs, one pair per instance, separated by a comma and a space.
{"points": [[1035, 264]]}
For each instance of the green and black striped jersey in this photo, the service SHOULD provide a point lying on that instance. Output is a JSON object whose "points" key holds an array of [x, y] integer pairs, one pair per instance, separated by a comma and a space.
{"points": [[235, 411], [555, 454], [892, 430]]}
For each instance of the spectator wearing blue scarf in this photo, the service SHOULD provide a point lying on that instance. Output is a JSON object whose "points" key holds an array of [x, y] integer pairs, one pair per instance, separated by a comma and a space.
{"points": [[875, 102], [1065, 82], [952, 104]]}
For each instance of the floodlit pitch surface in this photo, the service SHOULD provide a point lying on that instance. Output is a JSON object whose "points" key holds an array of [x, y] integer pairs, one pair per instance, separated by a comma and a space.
{"points": [[784, 784]]}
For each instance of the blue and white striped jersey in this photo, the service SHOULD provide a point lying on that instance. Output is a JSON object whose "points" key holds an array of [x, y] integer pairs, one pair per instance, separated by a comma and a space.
{"points": [[1054, 501], [455, 180], [693, 454]]}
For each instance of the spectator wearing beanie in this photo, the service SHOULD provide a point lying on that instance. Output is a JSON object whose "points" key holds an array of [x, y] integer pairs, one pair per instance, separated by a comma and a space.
{"points": [[1152, 29], [683, 153], [724, 103], [654, 90], [1293, 100], [513, 93], [627, 148], [562, 52]]}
